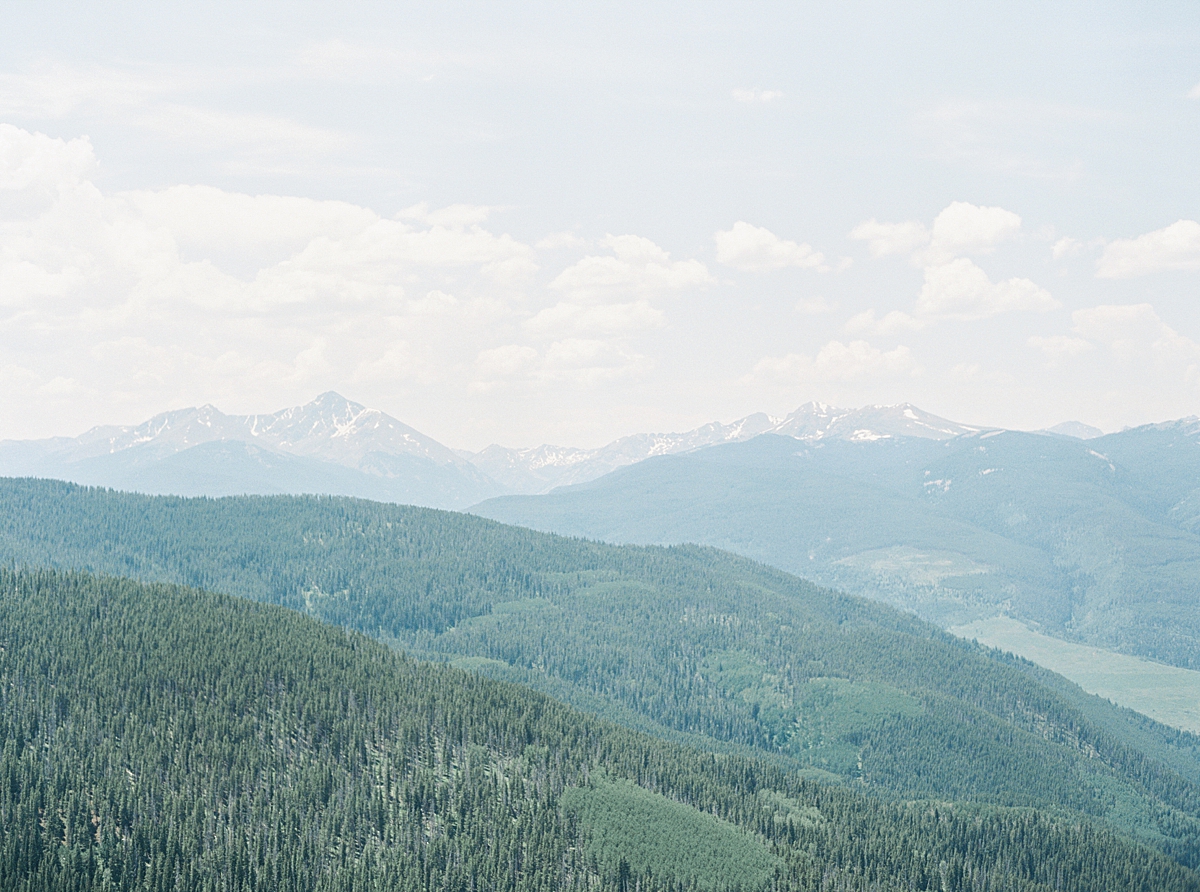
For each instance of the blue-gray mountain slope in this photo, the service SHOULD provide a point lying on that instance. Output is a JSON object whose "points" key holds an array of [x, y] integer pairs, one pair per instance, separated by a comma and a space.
{"points": [[1097, 541]]}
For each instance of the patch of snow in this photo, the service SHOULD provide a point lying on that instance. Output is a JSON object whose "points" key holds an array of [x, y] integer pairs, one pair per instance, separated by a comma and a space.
{"points": [[864, 435]]}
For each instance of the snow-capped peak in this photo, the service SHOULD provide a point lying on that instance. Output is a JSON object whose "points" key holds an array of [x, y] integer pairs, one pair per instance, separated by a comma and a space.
{"points": [[330, 428]]}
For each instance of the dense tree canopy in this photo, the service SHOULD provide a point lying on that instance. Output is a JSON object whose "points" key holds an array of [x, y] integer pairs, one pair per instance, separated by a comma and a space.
{"points": [[163, 738]]}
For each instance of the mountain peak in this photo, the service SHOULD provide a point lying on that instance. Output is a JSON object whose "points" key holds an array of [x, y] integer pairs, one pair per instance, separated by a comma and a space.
{"points": [[817, 421], [332, 400]]}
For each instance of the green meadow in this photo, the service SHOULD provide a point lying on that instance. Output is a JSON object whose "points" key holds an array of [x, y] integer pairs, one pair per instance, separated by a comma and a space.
{"points": [[1165, 693]]}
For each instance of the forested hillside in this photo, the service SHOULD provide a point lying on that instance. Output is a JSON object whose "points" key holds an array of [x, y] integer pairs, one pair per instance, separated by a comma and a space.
{"points": [[1094, 541], [159, 738], [690, 644]]}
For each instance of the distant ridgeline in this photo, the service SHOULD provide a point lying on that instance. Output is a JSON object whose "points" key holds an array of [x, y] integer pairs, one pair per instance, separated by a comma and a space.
{"points": [[691, 645], [170, 740], [1096, 541]]}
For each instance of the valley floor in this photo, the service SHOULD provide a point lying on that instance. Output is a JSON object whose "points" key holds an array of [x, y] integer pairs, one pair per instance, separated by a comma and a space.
{"points": [[1168, 694]]}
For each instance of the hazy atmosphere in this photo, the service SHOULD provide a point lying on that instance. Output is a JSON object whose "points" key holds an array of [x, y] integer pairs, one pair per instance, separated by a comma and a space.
{"points": [[566, 223], [599, 447]]}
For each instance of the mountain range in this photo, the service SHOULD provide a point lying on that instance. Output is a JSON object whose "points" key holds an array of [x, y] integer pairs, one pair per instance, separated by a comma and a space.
{"points": [[542, 468], [1096, 541], [338, 447], [328, 446], [1084, 536]]}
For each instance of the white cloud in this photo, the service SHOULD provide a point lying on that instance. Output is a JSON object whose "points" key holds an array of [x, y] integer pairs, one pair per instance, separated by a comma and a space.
{"points": [[896, 320], [836, 362], [954, 287], [1150, 354], [1135, 332], [756, 249], [638, 267], [36, 161], [756, 96], [145, 297], [960, 228], [455, 216], [1176, 247], [963, 228], [1060, 347], [884, 239], [588, 361], [1066, 247], [961, 290], [1194, 93], [204, 218]]}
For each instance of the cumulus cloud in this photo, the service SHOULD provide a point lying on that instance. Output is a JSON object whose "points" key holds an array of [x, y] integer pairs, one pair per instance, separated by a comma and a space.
{"points": [[204, 218], [589, 361], [755, 249], [963, 228], [1175, 247], [141, 296], [1066, 247], [36, 161], [961, 290], [895, 321], [884, 239], [960, 228], [637, 266], [954, 287], [1135, 331], [836, 362]]}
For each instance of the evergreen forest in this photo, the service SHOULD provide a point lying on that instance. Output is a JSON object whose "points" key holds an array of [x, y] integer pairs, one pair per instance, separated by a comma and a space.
{"points": [[162, 738], [693, 646]]}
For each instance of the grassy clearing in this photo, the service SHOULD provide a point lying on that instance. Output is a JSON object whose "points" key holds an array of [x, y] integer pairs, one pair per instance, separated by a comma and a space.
{"points": [[1165, 693], [632, 830]]}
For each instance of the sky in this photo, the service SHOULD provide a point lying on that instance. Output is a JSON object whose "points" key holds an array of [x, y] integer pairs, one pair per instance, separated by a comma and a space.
{"points": [[565, 222]]}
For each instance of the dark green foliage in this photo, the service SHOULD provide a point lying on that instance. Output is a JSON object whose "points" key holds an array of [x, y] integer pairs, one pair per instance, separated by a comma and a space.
{"points": [[689, 644], [632, 830], [157, 738]]}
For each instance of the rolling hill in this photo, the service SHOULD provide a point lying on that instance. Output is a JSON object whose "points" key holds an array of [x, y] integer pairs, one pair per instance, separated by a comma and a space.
{"points": [[1095, 541], [160, 738], [691, 645]]}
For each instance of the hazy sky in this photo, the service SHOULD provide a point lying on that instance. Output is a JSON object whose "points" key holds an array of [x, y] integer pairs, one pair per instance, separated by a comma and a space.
{"points": [[526, 223]]}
